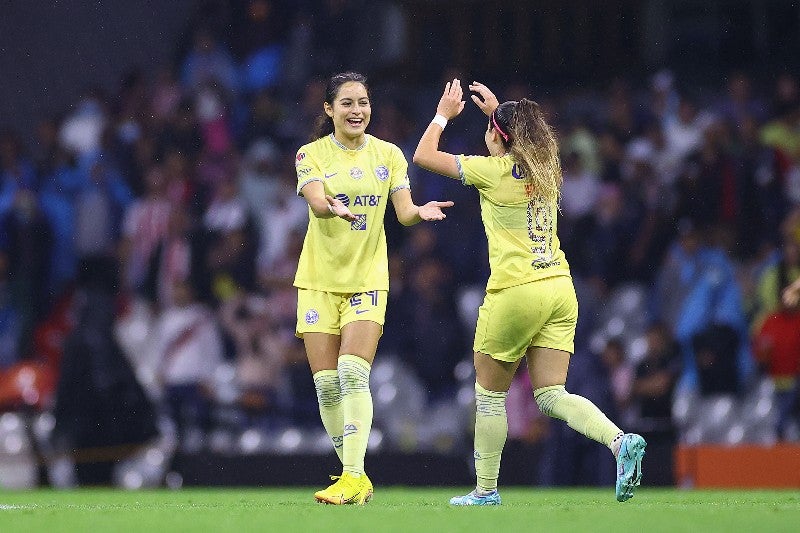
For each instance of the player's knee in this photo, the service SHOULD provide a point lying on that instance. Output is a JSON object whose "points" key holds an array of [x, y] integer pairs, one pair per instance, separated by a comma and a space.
{"points": [[329, 392], [547, 397], [353, 374]]}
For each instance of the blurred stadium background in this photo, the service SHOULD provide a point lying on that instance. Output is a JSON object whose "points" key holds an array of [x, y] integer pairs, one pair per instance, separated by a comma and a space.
{"points": [[149, 233]]}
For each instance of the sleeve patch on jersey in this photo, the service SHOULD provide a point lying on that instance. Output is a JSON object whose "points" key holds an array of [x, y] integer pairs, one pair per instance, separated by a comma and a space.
{"points": [[460, 170], [395, 189], [300, 156], [304, 183]]}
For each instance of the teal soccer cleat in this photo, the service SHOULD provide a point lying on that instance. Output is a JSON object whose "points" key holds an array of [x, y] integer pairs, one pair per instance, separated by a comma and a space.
{"points": [[473, 498], [629, 465]]}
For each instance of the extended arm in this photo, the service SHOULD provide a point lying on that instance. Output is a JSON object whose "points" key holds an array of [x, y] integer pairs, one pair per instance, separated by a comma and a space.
{"points": [[324, 205], [409, 214], [428, 155]]}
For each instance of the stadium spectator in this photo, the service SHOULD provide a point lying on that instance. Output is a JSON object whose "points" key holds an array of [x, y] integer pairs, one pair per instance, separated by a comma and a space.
{"points": [[523, 170], [186, 348], [739, 104], [777, 348], [778, 275], [260, 352], [580, 188], [695, 290], [208, 63], [179, 257], [605, 238], [26, 240], [620, 375], [425, 307], [102, 199], [144, 225], [652, 391], [9, 320]]}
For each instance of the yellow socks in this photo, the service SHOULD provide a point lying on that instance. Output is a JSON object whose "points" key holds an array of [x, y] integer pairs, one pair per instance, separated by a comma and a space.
{"points": [[579, 413], [329, 396], [491, 429], [357, 411]]}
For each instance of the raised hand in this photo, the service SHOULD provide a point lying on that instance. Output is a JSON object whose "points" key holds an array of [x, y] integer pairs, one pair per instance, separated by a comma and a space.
{"points": [[433, 210], [451, 103], [338, 208], [487, 101]]}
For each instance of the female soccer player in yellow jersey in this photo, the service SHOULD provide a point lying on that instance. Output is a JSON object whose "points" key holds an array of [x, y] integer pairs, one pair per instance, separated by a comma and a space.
{"points": [[347, 177], [530, 309]]}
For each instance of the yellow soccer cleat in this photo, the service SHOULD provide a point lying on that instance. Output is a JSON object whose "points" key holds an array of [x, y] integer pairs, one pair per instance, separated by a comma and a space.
{"points": [[347, 490]]}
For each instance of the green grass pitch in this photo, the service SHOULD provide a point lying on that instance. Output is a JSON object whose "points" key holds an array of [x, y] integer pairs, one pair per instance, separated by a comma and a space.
{"points": [[397, 509]]}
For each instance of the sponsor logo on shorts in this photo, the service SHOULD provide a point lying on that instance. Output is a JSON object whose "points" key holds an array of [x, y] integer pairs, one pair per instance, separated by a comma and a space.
{"points": [[382, 173], [343, 198], [312, 317], [356, 173], [360, 223]]}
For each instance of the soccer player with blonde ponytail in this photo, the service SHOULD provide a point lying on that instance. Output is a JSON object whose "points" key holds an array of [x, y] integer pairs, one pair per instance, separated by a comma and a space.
{"points": [[530, 309]]}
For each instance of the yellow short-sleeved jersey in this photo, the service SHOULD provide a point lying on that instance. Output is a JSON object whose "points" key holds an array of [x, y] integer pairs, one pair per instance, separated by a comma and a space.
{"points": [[520, 228], [340, 256]]}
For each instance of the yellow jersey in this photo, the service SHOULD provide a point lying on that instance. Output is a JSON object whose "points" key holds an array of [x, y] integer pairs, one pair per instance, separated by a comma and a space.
{"points": [[341, 256], [520, 227]]}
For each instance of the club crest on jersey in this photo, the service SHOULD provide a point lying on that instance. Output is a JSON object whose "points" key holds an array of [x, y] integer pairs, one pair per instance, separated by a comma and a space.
{"points": [[382, 173], [356, 173], [312, 317], [343, 198], [360, 223]]}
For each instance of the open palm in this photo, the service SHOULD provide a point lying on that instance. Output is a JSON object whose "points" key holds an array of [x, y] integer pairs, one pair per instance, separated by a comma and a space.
{"points": [[433, 210]]}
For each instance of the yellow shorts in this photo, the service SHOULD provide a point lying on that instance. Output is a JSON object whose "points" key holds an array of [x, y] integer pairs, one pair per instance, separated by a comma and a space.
{"points": [[541, 313], [329, 312]]}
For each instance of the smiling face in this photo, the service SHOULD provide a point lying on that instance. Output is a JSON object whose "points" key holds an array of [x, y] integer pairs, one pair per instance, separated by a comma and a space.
{"points": [[350, 112]]}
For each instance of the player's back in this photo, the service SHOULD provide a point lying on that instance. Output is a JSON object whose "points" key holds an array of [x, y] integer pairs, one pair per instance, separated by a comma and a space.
{"points": [[521, 227]]}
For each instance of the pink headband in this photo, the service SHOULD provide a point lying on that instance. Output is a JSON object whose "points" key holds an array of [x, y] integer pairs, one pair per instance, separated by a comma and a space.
{"points": [[503, 134]]}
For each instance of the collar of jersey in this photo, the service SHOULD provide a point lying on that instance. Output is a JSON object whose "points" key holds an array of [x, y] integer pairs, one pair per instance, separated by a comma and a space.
{"points": [[343, 147]]}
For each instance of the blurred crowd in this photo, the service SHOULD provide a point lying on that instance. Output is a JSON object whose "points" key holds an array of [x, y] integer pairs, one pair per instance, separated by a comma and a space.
{"points": [[149, 237]]}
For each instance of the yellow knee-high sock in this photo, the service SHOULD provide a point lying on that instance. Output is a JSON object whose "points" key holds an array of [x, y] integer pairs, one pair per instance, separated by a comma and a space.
{"points": [[357, 409], [579, 413], [491, 430], [329, 396]]}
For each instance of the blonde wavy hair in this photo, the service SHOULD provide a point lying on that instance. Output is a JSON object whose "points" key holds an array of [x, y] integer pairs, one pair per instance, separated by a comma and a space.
{"points": [[532, 143]]}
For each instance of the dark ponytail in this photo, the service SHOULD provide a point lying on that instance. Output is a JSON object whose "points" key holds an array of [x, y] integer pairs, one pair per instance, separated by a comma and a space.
{"points": [[324, 124]]}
